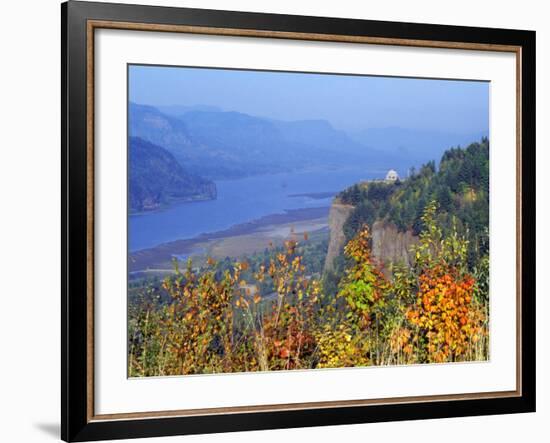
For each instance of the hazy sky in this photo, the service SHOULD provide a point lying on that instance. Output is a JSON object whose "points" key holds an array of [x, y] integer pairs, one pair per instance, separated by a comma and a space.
{"points": [[348, 102]]}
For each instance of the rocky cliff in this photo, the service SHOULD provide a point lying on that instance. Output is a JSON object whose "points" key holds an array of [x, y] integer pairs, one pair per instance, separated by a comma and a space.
{"points": [[391, 245], [388, 243], [337, 216]]}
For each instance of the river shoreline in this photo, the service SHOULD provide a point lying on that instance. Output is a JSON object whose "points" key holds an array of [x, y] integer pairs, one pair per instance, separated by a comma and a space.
{"points": [[244, 237]]}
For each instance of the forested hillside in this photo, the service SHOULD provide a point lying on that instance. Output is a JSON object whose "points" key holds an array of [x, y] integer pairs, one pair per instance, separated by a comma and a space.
{"points": [[156, 178], [281, 310], [460, 185]]}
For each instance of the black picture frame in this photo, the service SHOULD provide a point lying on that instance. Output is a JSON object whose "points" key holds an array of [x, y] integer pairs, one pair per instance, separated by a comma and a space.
{"points": [[76, 422]]}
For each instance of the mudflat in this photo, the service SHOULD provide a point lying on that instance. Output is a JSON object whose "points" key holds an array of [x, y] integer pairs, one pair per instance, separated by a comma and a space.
{"points": [[239, 240]]}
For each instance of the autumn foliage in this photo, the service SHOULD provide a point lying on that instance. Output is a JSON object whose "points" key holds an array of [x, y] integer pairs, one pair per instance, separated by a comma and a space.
{"points": [[217, 321]]}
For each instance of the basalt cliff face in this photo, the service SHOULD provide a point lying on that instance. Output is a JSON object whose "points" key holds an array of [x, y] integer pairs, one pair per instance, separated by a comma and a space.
{"points": [[337, 216], [389, 245]]}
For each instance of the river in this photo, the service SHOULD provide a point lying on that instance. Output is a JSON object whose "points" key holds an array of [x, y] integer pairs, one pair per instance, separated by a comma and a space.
{"points": [[239, 201]]}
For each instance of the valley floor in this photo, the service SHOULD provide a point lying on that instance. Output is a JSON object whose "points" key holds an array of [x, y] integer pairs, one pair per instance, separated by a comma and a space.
{"points": [[237, 241]]}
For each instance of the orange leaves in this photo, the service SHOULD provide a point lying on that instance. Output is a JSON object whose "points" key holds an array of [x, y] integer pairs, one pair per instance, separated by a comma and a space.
{"points": [[200, 315], [445, 312], [412, 316], [219, 323], [210, 261], [275, 314], [294, 350], [290, 324], [400, 340], [358, 248], [284, 353]]}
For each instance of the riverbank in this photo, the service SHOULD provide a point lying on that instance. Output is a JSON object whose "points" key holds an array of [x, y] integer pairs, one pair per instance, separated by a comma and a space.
{"points": [[236, 241]]}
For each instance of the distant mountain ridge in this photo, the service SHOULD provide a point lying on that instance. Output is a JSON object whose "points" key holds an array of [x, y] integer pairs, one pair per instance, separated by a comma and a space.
{"points": [[179, 110], [221, 144], [156, 178], [148, 123], [228, 144]]}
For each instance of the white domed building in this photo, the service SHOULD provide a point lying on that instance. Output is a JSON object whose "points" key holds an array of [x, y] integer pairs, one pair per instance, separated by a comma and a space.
{"points": [[392, 175]]}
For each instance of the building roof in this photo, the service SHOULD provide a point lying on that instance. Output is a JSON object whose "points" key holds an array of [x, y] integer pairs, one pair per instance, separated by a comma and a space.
{"points": [[392, 175]]}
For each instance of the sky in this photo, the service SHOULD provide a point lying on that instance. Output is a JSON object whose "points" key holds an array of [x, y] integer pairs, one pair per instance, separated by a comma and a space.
{"points": [[349, 102]]}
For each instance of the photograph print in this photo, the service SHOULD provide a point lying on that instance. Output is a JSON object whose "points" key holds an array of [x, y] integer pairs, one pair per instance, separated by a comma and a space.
{"points": [[303, 221]]}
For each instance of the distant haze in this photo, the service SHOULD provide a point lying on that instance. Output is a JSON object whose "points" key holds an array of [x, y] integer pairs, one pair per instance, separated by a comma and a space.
{"points": [[350, 103]]}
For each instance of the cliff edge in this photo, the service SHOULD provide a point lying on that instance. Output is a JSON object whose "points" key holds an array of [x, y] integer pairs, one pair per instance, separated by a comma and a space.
{"points": [[388, 243], [337, 216]]}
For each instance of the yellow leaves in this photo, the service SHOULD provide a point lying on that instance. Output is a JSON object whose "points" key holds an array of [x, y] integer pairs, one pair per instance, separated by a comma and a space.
{"points": [[224, 320], [241, 302], [339, 347], [444, 311], [210, 261], [290, 246], [296, 263]]}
